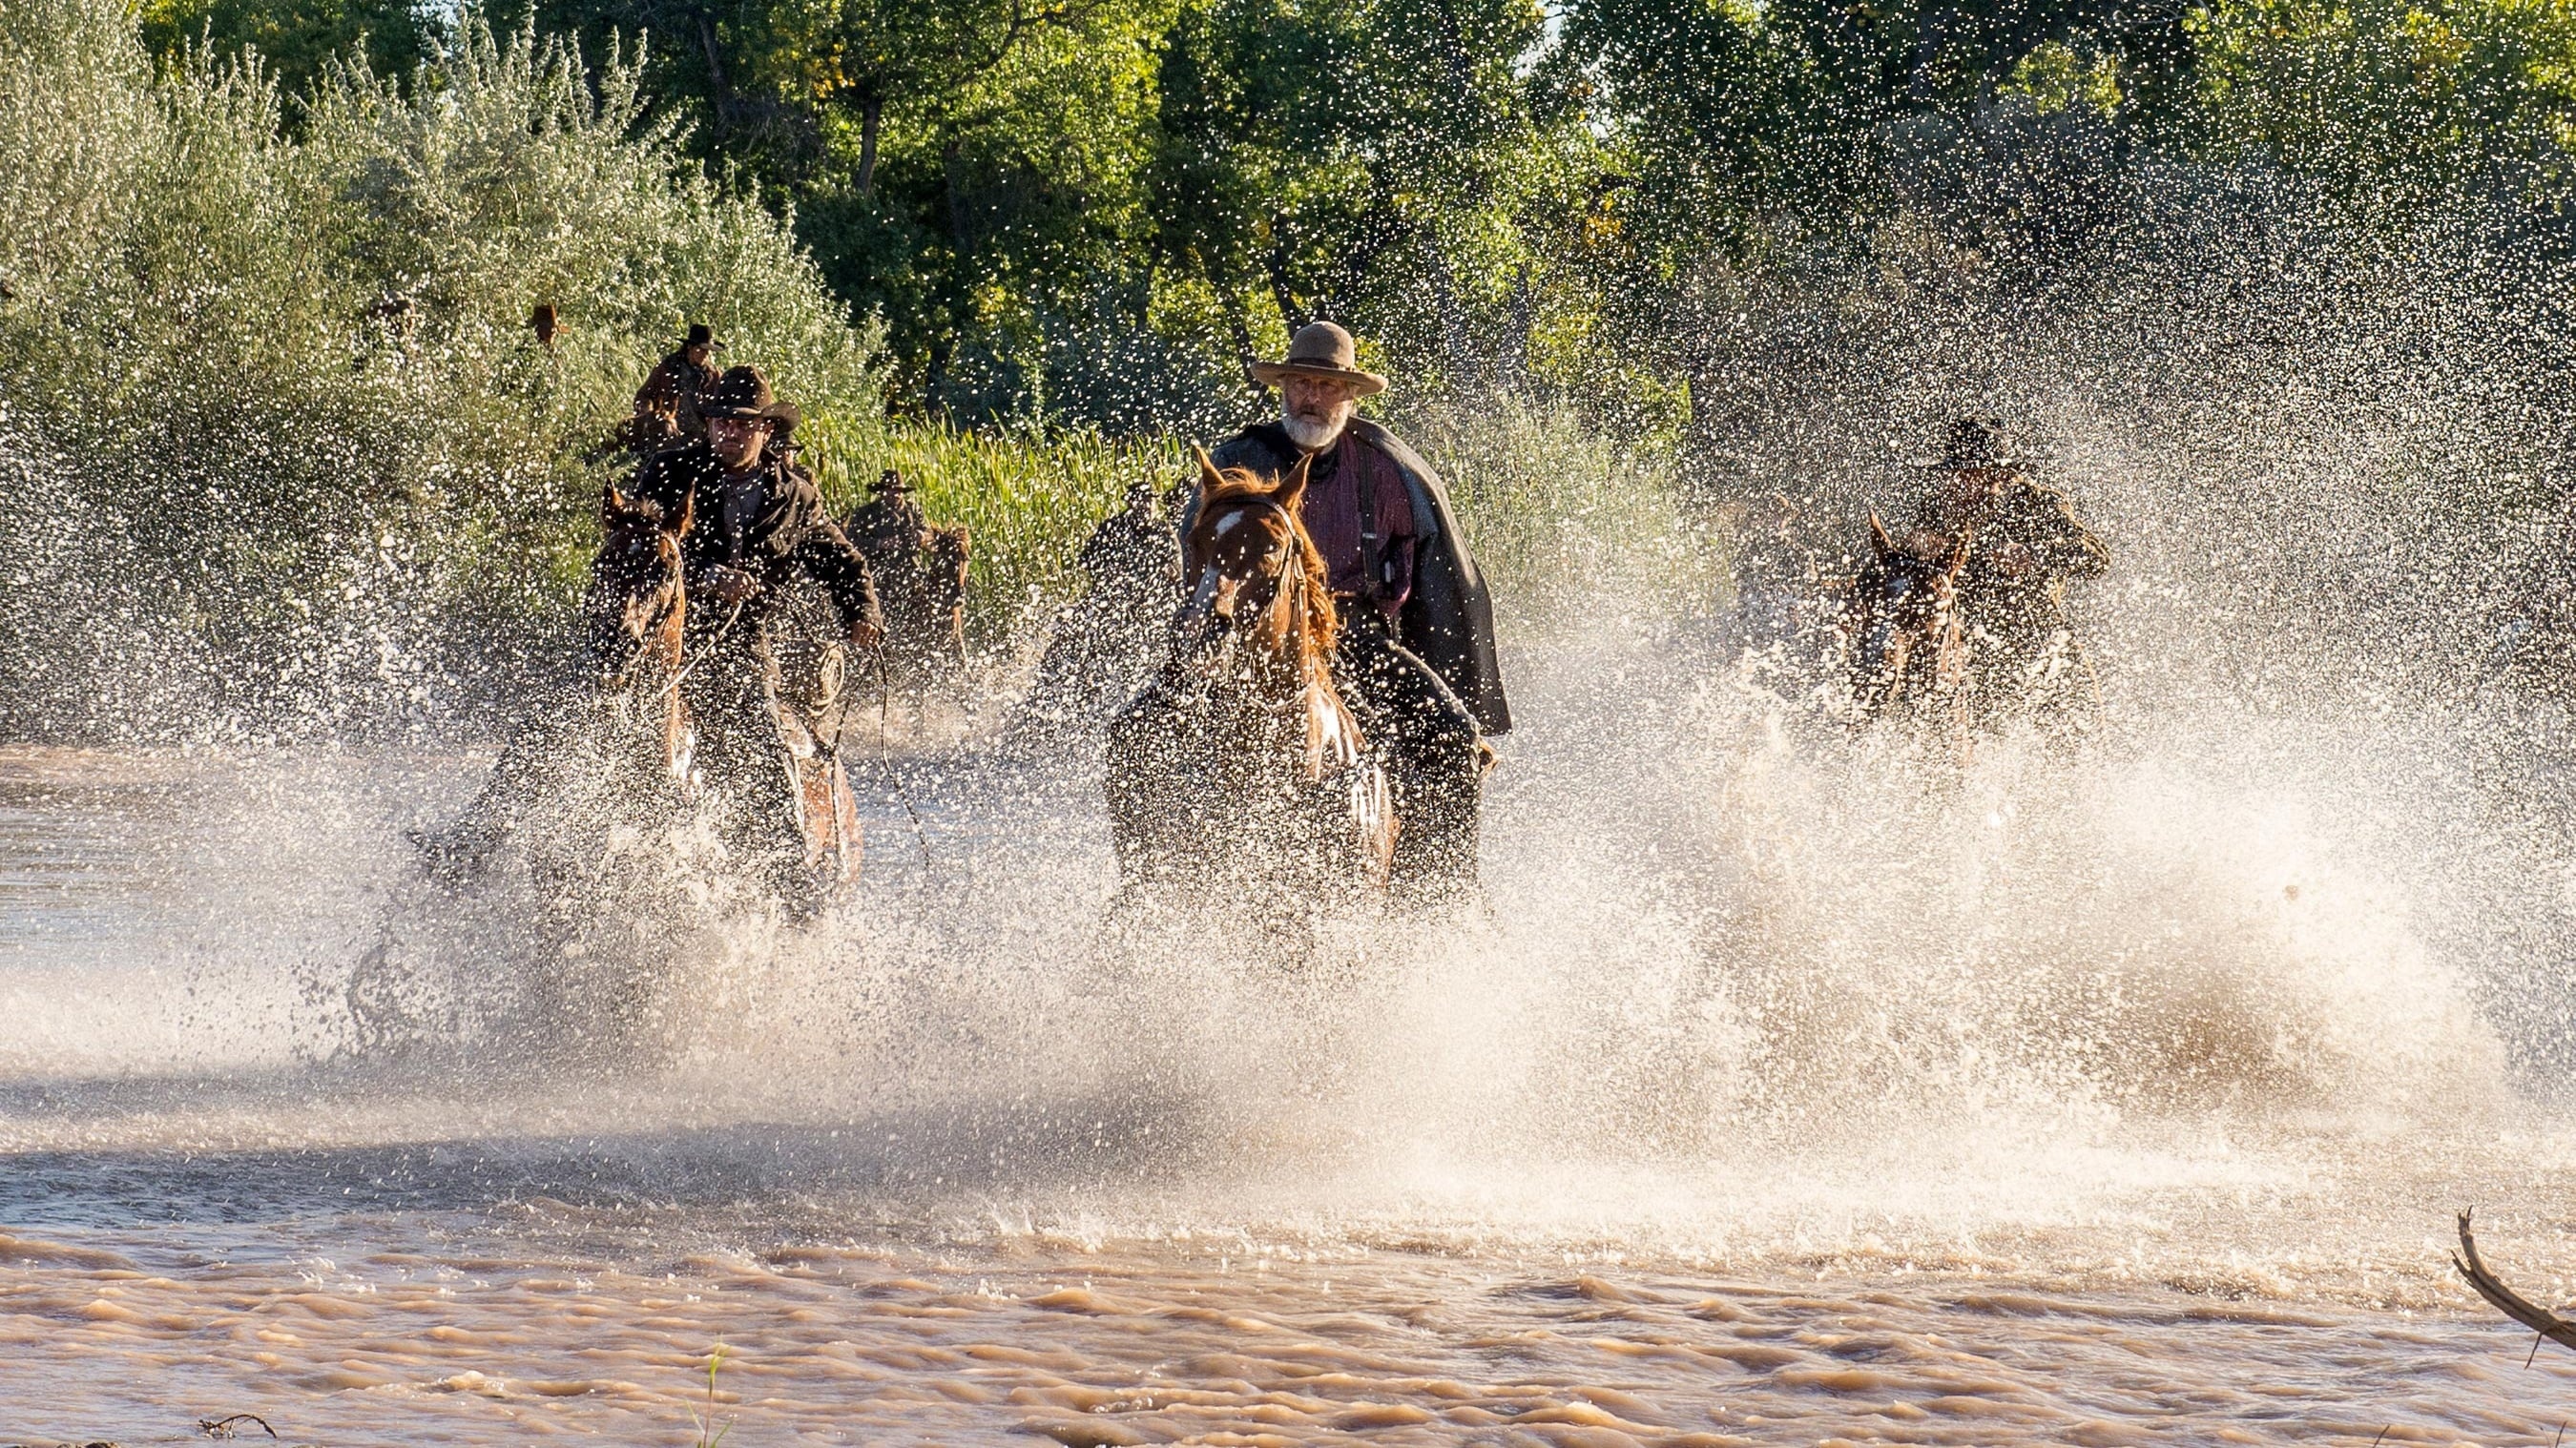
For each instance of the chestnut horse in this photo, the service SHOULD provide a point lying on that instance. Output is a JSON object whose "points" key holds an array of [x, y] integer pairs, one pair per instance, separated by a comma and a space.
{"points": [[1908, 646], [1240, 758], [637, 611]]}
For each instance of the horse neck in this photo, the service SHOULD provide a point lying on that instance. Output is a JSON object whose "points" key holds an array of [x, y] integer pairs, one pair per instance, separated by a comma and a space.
{"points": [[1303, 657], [1331, 733]]}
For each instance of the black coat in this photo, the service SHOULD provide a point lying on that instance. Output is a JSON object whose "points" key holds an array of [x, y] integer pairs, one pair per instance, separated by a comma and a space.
{"points": [[1449, 620], [788, 538]]}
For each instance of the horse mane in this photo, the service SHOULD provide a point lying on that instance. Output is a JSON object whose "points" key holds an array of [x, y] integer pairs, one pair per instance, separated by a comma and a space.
{"points": [[1242, 485]]}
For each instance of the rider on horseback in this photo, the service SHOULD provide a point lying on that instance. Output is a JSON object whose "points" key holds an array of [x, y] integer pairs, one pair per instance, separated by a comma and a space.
{"points": [[2023, 544], [760, 531], [1416, 655], [666, 406], [920, 570]]}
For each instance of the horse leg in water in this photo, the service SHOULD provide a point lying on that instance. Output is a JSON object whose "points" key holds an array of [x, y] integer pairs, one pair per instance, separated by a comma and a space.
{"points": [[742, 757], [1431, 742], [1148, 757]]}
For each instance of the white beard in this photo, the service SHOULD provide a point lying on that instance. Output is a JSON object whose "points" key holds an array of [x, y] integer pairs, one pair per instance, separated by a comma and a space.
{"points": [[1317, 436]]}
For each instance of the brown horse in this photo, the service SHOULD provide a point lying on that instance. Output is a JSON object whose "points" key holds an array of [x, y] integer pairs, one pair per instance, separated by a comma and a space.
{"points": [[1908, 647], [1240, 757], [637, 611], [920, 570]]}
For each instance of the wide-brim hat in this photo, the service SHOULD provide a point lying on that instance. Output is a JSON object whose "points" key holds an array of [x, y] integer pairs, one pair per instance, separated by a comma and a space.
{"points": [[890, 481], [743, 395], [701, 335], [1974, 442], [1321, 349]]}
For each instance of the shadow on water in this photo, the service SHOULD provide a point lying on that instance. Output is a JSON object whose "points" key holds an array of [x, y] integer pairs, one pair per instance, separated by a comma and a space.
{"points": [[432, 1155]]}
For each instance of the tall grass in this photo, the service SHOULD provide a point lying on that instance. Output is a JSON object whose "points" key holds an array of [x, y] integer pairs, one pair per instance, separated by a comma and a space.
{"points": [[1561, 518], [1565, 522], [1029, 498]]}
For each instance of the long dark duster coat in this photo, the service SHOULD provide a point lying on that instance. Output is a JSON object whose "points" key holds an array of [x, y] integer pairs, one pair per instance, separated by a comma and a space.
{"points": [[1449, 621]]}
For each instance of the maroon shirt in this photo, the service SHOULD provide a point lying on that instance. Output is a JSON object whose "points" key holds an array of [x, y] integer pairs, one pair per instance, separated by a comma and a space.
{"points": [[1332, 516]]}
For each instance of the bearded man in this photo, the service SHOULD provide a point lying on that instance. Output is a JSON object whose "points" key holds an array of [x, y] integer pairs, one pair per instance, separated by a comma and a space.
{"points": [[1416, 660]]}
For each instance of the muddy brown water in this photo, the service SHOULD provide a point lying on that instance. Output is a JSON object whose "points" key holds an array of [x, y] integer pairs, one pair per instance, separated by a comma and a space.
{"points": [[1684, 1139]]}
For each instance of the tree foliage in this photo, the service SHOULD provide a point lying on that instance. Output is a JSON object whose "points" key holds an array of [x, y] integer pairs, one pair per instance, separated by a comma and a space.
{"points": [[2396, 101], [1100, 209]]}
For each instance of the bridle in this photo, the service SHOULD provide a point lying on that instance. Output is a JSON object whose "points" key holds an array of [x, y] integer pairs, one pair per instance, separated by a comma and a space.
{"points": [[1280, 590]]}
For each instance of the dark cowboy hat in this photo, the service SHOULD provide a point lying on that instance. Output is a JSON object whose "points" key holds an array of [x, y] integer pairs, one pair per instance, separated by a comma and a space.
{"points": [[1974, 442], [742, 393], [890, 481], [701, 336], [1321, 349]]}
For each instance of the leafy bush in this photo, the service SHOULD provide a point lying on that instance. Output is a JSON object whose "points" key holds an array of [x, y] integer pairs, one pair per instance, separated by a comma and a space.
{"points": [[280, 384], [2402, 103]]}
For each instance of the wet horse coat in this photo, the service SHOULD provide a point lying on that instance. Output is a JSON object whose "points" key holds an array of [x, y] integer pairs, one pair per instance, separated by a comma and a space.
{"points": [[1908, 648], [1241, 760]]}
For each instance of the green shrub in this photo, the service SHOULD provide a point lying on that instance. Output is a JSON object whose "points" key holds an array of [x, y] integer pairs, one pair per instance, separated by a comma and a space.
{"points": [[2399, 103], [281, 384]]}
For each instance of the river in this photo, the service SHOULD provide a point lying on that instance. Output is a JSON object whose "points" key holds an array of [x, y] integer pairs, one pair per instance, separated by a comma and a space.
{"points": [[1786, 1089]]}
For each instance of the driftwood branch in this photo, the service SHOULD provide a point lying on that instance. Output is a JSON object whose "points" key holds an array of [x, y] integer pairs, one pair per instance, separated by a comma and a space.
{"points": [[2505, 1300]]}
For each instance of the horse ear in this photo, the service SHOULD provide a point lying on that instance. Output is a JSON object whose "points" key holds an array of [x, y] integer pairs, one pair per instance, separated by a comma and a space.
{"points": [[1959, 555], [1293, 487], [613, 504], [1208, 475], [1878, 535], [688, 513]]}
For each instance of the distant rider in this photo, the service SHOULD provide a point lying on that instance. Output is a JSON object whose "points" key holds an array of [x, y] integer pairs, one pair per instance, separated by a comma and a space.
{"points": [[2023, 544], [920, 570], [1132, 554], [1106, 641], [666, 406], [760, 530], [1416, 657]]}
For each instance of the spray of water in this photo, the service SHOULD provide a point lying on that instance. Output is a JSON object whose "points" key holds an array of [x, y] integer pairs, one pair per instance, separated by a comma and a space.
{"points": [[1745, 986]]}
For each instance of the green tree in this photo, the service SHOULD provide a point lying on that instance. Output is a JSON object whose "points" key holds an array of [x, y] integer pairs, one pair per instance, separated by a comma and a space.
{"points": [[1373, 161], [295, 39], [2399, 103]]}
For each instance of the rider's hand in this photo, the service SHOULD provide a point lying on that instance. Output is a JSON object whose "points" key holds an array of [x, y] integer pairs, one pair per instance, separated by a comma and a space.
{"points": [[1925, 544], [866, 634], [727, 585], [2013, 559]]}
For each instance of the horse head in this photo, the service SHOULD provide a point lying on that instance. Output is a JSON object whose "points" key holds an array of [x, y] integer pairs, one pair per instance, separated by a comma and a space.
{"points": [[1244, 737], [1256, 579], [638, 599], [1906, 617]]}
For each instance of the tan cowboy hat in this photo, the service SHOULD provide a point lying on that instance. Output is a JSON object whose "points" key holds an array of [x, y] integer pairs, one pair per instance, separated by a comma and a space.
{"points": [[1321, 349]]}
